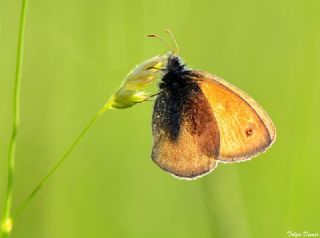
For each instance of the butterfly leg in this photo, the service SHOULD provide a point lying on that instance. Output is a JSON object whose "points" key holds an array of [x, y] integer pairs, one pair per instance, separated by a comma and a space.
{"points": [[149, 98]]}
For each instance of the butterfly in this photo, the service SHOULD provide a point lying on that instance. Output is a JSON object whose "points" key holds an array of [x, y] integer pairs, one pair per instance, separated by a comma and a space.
{"points": [[200, 120]]}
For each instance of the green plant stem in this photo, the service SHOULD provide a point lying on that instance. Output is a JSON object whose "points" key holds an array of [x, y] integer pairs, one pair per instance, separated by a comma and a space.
{"points": [[62, 159], [6, 222]]}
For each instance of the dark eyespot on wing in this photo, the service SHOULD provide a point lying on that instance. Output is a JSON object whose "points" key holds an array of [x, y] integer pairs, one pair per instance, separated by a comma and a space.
{"points": [[186, 140]]}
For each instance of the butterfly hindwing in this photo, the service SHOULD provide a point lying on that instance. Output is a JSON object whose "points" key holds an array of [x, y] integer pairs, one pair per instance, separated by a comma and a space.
{"points": [[185, 132], [245, 128]]}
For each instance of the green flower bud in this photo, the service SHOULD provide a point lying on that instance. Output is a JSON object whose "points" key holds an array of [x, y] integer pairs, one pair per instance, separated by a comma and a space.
{"points": [[132, 89]]}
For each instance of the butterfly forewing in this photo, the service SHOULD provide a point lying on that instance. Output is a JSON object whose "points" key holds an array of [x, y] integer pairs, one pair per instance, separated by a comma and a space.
{"points": [[245, 128], [186, 136]]}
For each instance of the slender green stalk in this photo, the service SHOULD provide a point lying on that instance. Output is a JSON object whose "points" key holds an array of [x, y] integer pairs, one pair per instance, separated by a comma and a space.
{"points": [[6, 221], [62, 159]]}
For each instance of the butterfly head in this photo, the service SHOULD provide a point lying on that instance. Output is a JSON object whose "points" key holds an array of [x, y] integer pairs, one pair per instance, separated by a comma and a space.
{"points": [[174, 64]]}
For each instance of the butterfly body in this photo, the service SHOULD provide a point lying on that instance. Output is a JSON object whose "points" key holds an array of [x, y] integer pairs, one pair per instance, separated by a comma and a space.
{"points": [[199, 120], [175, 88]]}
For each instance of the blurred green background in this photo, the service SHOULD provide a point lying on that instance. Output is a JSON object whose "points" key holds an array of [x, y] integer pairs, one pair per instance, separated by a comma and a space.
{"points": [[76, 54]]}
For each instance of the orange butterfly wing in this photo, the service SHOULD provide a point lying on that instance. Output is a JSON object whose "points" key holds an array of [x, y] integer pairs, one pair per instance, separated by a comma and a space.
{"points": [[195, 150], [245, 128]]}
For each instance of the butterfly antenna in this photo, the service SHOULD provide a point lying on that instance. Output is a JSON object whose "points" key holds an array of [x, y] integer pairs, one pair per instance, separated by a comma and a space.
{"points": [[174, 41], [165, 42]]}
